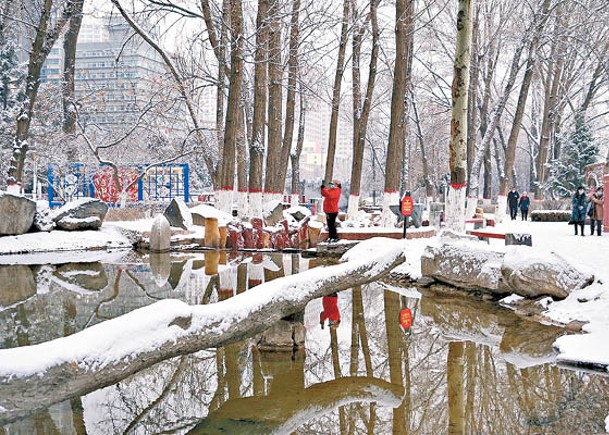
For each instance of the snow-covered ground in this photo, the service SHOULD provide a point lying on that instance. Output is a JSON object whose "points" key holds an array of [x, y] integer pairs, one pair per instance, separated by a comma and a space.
{"points": [[589, 253]]}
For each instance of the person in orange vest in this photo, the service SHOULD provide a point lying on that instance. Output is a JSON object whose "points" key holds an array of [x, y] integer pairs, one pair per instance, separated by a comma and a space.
{"points": [[331, 196], [330, 311]]}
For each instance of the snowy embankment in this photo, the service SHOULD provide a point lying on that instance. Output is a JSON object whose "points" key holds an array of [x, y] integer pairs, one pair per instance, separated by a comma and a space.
{"points": [[107, 237], [113, 350]]}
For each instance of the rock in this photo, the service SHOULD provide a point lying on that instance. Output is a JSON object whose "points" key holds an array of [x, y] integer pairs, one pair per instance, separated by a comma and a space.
{"points": [[518, 239], [16, 214], [272, 212], [160, 234], [160, 267], [82, 214], [43, 218], [178, 214], [202, 211], [541, 274], [464, 266], [82, 276], [17, 283]]}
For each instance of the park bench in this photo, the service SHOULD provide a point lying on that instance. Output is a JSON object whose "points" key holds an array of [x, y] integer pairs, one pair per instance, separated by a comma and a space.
{"points": [[478, 222], [510, 238]]}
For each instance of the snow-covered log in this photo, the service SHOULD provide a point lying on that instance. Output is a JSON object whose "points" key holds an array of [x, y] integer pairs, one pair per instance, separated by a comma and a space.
{"points": [[34, 377], [284, 413]]}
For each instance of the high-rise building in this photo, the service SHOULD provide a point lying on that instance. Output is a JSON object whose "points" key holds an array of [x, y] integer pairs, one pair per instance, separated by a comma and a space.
{"points": [[116, 74]]}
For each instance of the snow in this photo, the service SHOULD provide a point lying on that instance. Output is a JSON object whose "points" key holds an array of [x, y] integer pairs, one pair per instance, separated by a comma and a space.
{"points": [[209, 211]]}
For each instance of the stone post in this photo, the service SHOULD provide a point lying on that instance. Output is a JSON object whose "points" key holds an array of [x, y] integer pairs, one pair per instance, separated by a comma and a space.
{"points": [[222, 232], [160, 235], [212, 233]]}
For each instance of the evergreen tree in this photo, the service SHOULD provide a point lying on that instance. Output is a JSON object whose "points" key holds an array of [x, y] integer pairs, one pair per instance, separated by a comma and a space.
{"points": [[568, 171]]}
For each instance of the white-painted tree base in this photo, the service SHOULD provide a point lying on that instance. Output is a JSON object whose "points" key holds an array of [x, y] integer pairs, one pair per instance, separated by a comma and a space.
{"points": [[255, 205], [224, 200], [353, 207], [241, 202], [500, 212], [388, 218], [455, 210], [294, 200], [472, 204]]}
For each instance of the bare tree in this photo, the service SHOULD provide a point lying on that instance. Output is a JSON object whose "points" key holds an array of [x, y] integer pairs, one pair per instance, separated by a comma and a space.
{"points": [[455, 213], [47, 31], [404, 15], [338, 78]]}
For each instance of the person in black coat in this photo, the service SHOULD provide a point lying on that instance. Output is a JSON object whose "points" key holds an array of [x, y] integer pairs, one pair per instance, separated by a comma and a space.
{"points": [[523, 204], [578, 209], [512, 198]]}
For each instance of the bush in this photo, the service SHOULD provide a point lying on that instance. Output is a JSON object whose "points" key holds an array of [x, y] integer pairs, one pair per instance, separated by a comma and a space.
{"points": [[551, 215]]}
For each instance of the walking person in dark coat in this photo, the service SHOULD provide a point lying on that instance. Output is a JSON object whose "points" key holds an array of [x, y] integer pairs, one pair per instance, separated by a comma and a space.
{"points": [[512, 198], [523, 204], [578, 209], [597, 213]]}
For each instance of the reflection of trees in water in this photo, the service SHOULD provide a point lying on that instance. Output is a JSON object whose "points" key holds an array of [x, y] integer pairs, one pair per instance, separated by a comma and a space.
{"points": [[458, 386]]}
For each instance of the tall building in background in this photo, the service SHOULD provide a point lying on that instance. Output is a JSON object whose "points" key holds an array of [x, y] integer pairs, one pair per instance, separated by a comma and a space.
{"points": [[116, 74], [316, 138]]}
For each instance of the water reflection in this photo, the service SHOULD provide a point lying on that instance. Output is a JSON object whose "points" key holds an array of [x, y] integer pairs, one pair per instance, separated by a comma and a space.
{"points": [[463, 367]]}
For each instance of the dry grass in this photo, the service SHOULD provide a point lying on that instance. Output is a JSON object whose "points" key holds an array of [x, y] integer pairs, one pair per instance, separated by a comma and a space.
{"points": [[134, 212]]}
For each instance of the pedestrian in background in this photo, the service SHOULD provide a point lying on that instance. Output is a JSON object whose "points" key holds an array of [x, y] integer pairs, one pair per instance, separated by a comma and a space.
{"points": [[578, 209], [597, 201], [523, 204], [331, 196], [512, 198]]}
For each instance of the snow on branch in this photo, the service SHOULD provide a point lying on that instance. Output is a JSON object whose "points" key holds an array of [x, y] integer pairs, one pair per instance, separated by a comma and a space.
{"points": [[34, 377]]}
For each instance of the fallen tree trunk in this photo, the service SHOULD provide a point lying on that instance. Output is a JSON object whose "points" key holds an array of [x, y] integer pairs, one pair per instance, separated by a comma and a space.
{"points": [[34, 377]]}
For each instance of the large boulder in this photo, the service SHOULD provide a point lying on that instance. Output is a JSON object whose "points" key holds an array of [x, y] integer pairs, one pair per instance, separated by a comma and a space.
{"points": [[17, 283], [272, 212], [16, 214], [464, 266], [538, 274], [521, 270], [178, 214], [43, 218], [82, 214], [82, 277]]}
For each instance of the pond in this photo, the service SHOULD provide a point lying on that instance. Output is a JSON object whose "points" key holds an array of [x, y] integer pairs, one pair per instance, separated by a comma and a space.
{"points": [[465, 365]]}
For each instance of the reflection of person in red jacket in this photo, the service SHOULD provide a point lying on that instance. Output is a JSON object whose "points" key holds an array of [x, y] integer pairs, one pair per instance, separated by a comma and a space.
{"points": [[331, 196], [330, 311]]}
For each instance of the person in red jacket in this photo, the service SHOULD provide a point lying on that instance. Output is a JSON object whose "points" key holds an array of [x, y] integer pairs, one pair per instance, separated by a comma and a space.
{"points": [[330, 311], [331, 196]]}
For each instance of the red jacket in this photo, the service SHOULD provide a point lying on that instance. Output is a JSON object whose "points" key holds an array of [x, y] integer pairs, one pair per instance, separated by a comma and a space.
{"points": [[331, 195], [330, 312]]}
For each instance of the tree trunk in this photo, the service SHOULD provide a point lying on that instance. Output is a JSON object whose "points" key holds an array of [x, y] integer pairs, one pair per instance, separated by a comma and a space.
{"points": [[233, 113], [167, 329], [429, 189], [69, 49], [290, 109], [275, 107], [404, 12], [455, 203], [259, 118], [361, 114], [551, 85], [338, 78], [295, 156]]}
